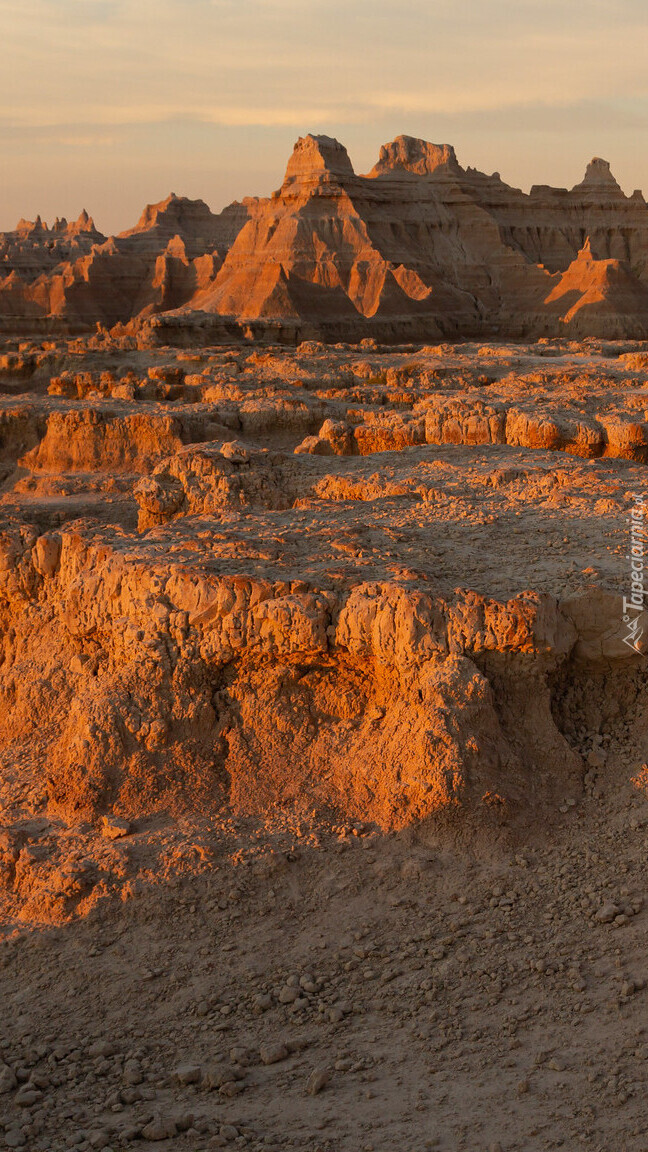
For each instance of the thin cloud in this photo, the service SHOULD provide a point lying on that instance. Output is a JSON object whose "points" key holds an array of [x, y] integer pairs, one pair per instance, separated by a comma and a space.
{"points": [[149, 80]]}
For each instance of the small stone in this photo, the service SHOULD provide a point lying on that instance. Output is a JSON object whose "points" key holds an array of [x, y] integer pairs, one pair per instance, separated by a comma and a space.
{"points": [[317, 1080], [99, 1139], [273, 1053], [130, 1095], [244, 1056], [607, 913], [27, 1096], [288, 994], [101, 1048], [297, 1044], [231, 1088], [523, 1087], [113, 827], [7, 1079], [215, 1075], [188, 1073], [228, 1132], [235, 451], [14, 1138], [159, 1129], [132, 1074], [39, 1080]]}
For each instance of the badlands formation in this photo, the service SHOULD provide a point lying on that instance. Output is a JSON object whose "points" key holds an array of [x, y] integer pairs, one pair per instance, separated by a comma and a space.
{"points": [[323, 737], [418, 249]]}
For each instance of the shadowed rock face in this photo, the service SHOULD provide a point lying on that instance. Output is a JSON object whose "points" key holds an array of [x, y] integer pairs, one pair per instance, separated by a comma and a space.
{"points": [[418, 248]]}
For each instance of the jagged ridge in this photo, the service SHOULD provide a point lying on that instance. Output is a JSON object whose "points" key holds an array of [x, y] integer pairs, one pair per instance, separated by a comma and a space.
{"points": [[419, 247]]}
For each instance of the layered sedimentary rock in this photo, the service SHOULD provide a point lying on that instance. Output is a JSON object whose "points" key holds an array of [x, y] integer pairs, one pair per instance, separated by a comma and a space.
{"points": [[260, 606], [418, 248], [73, 273], [333, 248], [32, 247], [422, 246]]}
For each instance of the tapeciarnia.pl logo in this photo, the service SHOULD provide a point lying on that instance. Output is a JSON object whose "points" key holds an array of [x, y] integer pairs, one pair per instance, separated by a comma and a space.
{"points": [[633, 605]]}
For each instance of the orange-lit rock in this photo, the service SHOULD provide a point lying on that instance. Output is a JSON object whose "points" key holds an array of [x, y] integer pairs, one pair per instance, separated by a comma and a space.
{"points": [[418, 248]]}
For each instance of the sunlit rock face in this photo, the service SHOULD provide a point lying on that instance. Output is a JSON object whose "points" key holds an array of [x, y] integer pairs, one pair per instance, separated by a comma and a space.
{"points": [[422, 246], [418, 248], [353, 575]]}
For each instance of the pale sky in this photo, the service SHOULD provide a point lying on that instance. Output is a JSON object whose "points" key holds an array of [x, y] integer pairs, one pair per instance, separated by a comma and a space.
{"points": [[112, 104]]}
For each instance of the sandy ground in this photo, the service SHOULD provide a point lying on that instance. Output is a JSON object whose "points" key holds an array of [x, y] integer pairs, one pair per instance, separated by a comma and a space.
{"points": [[476, 981], [449, 987]]}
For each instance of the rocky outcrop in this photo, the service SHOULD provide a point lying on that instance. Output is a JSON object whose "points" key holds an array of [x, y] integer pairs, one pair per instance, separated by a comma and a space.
{"points": [[76, 274], [602, 294], [419, 157], [199, 229], [33, 249], [466, 419], [218, 479], [417, 249], [421, 247], [90, 440], [311, 253], [164, 683], [386, 624]]}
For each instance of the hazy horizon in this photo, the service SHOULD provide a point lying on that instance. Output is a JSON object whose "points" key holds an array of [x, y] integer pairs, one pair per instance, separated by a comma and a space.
{"points": [[111, 104]]}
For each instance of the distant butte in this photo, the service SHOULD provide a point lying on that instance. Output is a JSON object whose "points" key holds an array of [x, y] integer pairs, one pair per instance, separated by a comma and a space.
{"points": [[420, 248]]}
